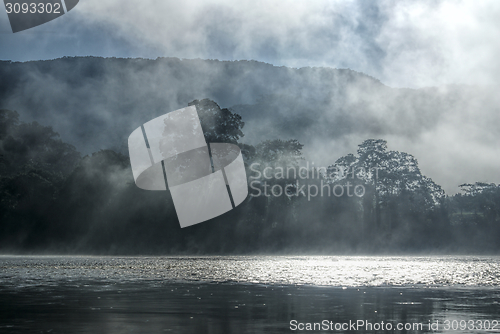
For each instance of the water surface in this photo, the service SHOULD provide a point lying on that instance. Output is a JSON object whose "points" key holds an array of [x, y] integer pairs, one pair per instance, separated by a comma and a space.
{"points": [[247, 294]]}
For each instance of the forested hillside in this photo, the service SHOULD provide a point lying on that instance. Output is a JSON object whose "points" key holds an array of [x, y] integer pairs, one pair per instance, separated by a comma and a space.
{"points": [[95, 103], [374, 200]]}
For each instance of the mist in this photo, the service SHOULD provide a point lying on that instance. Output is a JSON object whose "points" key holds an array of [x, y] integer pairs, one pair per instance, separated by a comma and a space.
{"points": [[367, 133], [95, 103], [329, 75], [412, 44]]}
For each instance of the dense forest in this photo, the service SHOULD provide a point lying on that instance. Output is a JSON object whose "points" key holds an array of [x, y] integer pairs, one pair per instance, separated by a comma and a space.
{"points": [[94, 103], [373, 201]]}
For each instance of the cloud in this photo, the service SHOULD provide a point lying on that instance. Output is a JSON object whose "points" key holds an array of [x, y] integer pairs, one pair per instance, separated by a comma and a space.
{"points": [[402, 43]]}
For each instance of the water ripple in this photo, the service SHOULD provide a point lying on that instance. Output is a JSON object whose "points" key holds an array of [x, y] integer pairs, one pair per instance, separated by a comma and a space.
{"points": [[339, 271]]}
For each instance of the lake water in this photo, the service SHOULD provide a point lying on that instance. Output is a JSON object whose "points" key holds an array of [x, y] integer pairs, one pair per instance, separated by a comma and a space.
{"points": [[248, 294]]}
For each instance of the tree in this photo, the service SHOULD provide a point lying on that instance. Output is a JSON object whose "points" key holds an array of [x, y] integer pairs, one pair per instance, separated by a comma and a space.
{"points": [[280, 153], [33, 165], [276, 162], [21, 143], [395, 189], [219, 125], [484, 200], [8, 121]]}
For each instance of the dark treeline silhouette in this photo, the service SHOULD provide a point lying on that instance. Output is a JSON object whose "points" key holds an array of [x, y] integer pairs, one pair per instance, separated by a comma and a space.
{"points": [[94, 103], [372, 201]]}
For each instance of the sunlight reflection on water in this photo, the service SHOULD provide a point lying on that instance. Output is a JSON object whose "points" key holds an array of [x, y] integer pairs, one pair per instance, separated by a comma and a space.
{"points": [[241, 294], [337, 271]]}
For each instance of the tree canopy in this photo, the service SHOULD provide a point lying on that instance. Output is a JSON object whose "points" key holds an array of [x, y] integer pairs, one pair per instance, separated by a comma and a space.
{"points": [[52, 199]]}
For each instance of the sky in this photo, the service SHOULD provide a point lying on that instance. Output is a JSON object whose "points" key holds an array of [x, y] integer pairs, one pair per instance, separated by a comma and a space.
{"points": [[402, 43]]}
